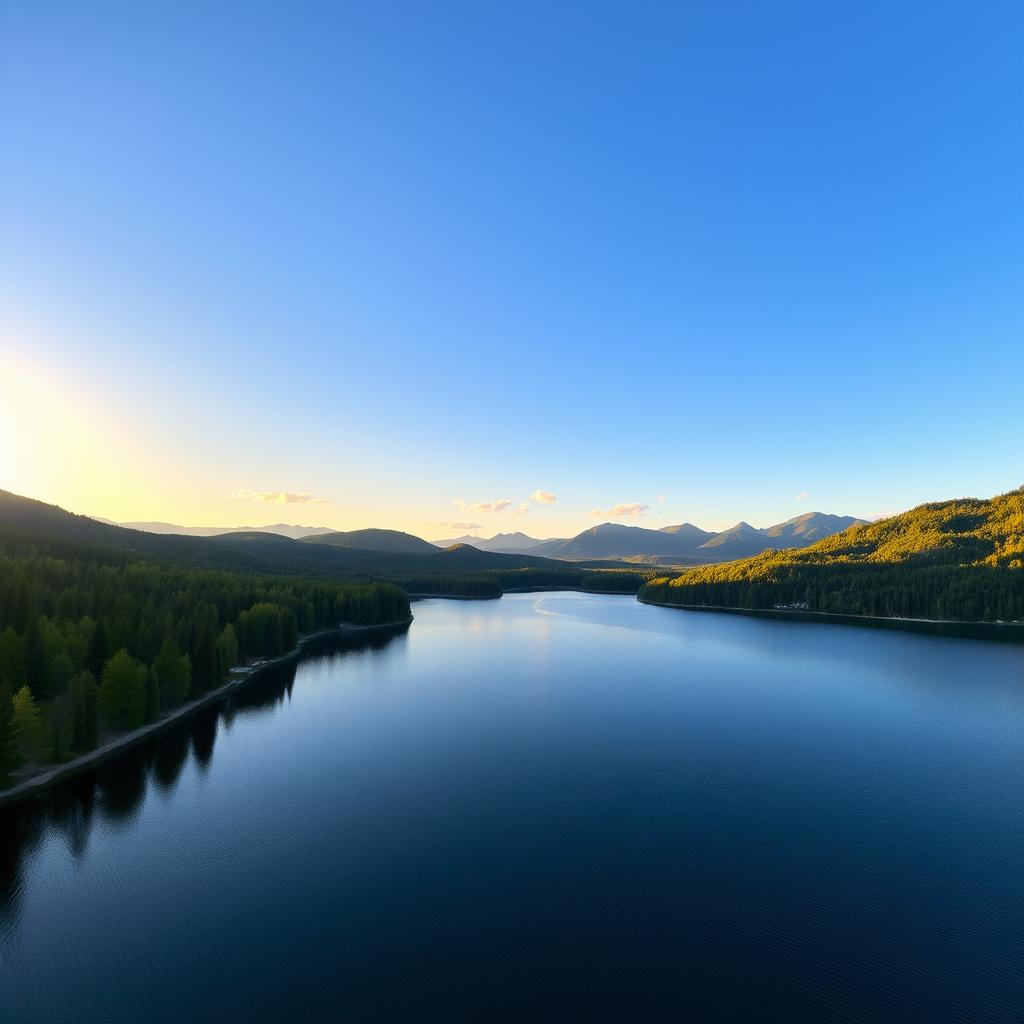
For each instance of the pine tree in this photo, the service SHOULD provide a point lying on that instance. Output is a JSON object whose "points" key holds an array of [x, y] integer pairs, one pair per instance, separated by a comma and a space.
{"points": [[123, 691], [173, 672], [152, 696], [26, 718], [227, 650], [10, 755], [12, 657], [35, 661], [61, 726], [96, 657], [76, 705], [90, 734], [204, 661]]}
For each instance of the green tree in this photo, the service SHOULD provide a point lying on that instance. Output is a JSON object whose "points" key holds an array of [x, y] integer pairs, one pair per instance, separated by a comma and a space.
{"points": [[61, 670], [12, 657], [123, 691], [83, 696], [10, 755], [174, 673], [96, 656], [26, 720], [268, 629], [61, 727], [204, 660], [35, 661], [227, 650], [152, 696]]}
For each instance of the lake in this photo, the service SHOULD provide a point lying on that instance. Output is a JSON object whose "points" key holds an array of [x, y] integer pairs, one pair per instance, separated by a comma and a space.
{"points": [[552, 806]]}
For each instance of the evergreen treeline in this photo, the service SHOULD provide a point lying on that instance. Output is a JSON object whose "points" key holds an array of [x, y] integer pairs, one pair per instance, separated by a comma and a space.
{"points": [[961, 560], [451, 584], [614, 581], [92, 642], [575, 577], [494, 582], [370, 604]]}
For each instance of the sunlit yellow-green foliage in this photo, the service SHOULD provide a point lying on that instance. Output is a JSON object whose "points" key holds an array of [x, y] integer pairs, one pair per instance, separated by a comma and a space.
{"points": [[960, 559]]}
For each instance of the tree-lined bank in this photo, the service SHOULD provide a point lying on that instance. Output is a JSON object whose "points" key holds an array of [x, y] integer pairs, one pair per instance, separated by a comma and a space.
{"points": [[89, 646], [960, 560]]}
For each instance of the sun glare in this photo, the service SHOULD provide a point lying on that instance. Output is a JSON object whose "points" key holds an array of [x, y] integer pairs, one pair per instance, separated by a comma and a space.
{"points": [[53, 444]]}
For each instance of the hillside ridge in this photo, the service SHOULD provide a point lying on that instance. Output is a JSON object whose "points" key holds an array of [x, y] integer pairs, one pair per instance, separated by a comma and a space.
{"points": [[961, 559]]}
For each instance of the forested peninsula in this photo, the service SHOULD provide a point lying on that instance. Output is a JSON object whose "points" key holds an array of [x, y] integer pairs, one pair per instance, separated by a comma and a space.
{"points": [[959, 560], [94, 645]]}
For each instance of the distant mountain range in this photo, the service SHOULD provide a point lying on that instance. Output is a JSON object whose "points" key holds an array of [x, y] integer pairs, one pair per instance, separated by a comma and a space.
{"points": [[947, 560], [502, 543], [684, 544], [680, 544], [281, 529]]}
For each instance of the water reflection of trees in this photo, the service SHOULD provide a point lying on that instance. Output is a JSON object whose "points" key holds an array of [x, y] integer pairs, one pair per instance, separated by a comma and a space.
{"points": [[116, 789], [202, 737], [169, 758]]}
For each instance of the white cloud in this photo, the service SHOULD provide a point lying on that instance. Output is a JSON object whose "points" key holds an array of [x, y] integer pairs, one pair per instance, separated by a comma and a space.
{"points": [[484, 506], [802, 496], [633, 508], [544, 497], [662, 497], [523, 509], [280, 497]]}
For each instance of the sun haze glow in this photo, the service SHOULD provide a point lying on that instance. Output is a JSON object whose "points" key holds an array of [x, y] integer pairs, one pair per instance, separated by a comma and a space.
{"points": [[56, 444]]}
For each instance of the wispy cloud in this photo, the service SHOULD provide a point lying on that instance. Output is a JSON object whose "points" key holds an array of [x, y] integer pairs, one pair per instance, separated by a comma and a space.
{"points": [[453, 526], [633, 508], [544, 497], [802, 496], [522, 510], [484, 506], [280, 497], [662, 497]]}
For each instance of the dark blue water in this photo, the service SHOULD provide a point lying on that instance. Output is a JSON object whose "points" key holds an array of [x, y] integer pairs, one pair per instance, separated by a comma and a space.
{"points": [[549, 807]]}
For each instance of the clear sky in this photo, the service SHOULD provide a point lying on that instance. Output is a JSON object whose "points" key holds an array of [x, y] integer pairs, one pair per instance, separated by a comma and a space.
{"points": [[722, 260]]}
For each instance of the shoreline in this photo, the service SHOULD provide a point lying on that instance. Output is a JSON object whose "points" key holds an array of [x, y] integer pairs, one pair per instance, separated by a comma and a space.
{"points": [[1012, 632], [521, 590], [570, 590], [50, 775]]}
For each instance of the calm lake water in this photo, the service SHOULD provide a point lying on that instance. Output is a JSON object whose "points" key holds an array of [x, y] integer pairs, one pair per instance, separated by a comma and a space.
{"points": [[552, 806]]}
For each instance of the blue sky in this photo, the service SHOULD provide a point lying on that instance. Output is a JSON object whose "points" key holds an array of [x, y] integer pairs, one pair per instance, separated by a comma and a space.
{"points": [[393, 256]]}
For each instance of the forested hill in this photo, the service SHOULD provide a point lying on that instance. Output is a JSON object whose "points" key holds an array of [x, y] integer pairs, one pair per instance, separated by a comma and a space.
{"points": [[48, 528], [295, 532], [961, 560], [374, 540]]}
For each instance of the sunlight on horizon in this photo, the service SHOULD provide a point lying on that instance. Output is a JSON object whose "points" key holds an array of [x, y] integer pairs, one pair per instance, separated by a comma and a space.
{"points": [[62, 447]]}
